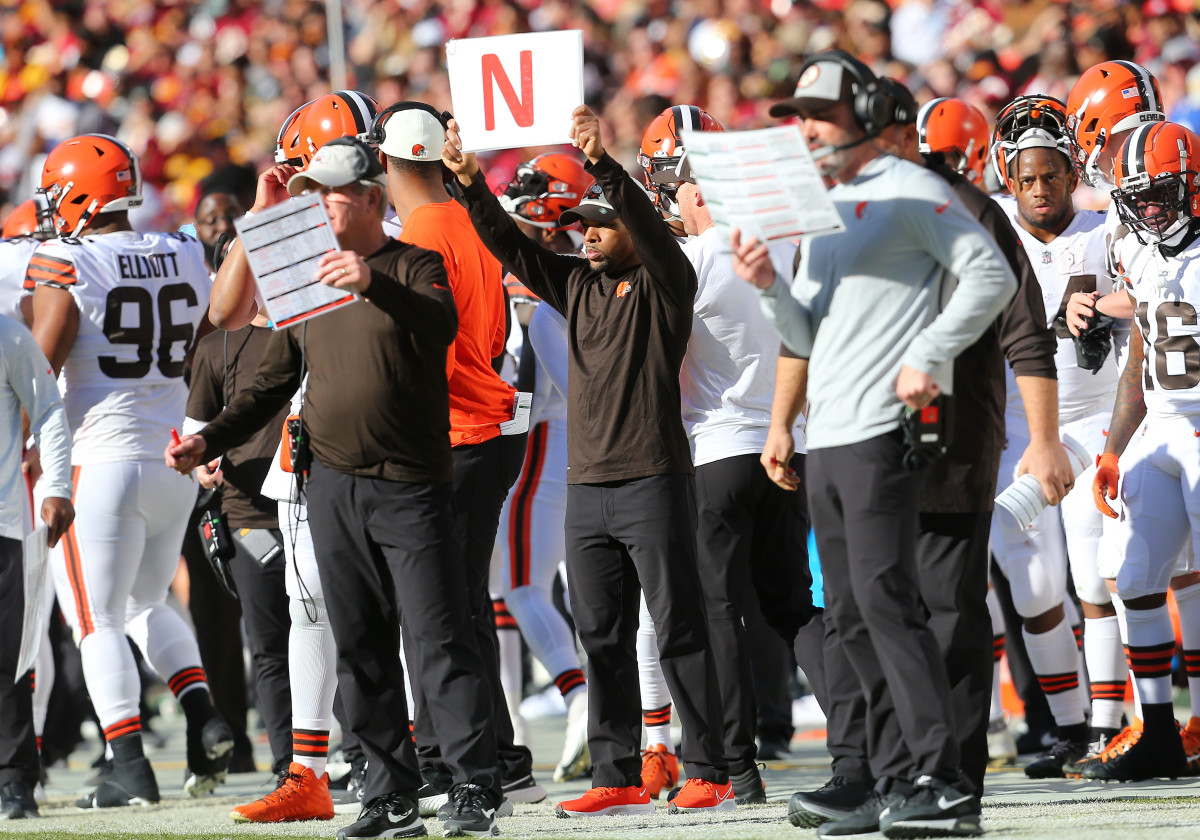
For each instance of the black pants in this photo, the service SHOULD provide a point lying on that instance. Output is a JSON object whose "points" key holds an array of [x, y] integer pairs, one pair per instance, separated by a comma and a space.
{"points": [[864, 510], [622, 537], [752, 534], [952, 562], [218, 622], [388, 557], [483, 474], [265, 608], [18, 745]]}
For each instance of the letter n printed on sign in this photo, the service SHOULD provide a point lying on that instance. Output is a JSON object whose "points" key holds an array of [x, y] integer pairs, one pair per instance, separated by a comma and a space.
{"points": [[512, 91]]}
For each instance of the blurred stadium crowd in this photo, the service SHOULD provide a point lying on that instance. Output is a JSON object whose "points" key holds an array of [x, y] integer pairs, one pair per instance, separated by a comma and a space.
{"points": [[198, 87]]}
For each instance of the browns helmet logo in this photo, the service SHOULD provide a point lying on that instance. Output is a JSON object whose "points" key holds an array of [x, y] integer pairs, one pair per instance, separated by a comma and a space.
{"points": [[418, 151], [623, 288]]}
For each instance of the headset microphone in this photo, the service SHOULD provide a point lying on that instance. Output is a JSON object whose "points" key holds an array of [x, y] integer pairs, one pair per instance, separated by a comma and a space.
{"points": [[826, 151]]}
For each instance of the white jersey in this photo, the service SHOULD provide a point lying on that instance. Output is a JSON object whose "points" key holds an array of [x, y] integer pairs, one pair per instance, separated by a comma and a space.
{"points": [[548, 340], [140, 298], [1074, 261], [14, 257], [727, 380], [1167, 293]]}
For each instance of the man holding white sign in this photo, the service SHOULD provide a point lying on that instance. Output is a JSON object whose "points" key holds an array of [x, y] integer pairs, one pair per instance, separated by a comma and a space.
{"points": [[629, 473], [864, 478]]}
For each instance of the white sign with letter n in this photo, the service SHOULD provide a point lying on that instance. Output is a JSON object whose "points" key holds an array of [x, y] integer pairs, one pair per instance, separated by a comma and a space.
{"points": [[513, 91]]}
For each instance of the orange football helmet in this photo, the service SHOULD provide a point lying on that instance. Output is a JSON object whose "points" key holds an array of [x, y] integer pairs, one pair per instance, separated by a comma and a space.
{"points": [[1157, 170], [544, 187], [28, 219], [346, 113], [1109, 98], [88, 175], [663, 157], [953, 125], [287, 144]]}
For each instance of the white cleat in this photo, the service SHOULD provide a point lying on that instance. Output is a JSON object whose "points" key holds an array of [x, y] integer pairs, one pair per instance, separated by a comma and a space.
{"points": [[575, 756]]}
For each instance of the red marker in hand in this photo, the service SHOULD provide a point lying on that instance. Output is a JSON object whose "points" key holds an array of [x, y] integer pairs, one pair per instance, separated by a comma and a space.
{"points": [[175, 440]]}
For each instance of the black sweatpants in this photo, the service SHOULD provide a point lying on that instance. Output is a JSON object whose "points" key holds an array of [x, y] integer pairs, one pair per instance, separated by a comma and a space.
{"points": [[624, 537], [483, 475], [952, 566], [265, 608], [18, 745], [388, 558], [753, 534], [864, 510]]}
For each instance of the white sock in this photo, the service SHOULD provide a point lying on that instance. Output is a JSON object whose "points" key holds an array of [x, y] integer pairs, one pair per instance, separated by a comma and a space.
{"points": [[1151, 649], [1055, 660], [1123, 623], [656, 697], [998, 636], [1107, 670], [1187, 600], [312, 670]]}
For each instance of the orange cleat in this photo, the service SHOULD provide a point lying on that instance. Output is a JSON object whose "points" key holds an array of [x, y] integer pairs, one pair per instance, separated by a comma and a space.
{"points": [[607, 801], [1123, 740], [660, 769], [300, 796], [699, 795]]}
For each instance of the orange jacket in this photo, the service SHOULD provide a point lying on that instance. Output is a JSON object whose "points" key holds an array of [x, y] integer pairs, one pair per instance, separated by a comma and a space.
{"points": [[480, 400]]}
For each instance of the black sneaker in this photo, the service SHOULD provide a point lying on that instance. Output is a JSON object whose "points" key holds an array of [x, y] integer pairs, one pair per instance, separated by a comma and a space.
{"points": [[17, 802], [748, 787], [131, 783], [1144, 757], [1052, 763], [208, 757], [933, 809], [472, 813], [504, 810], [434, 793], [836, 799], [349, 793], [863, 820], [524, 790], [390, 815]]}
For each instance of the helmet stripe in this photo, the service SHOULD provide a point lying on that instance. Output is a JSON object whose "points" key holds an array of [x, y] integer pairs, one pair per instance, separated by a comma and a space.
{"points": [[1135, 149], [1145, 83], [360, 109]]}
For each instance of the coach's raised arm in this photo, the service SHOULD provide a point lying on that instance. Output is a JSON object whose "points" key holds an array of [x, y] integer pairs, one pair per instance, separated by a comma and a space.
{"points": [[622, 228]]}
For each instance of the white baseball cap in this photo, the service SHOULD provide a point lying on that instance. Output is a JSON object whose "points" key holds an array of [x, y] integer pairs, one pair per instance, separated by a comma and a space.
{"points": [[410, 131], [338, 163]]}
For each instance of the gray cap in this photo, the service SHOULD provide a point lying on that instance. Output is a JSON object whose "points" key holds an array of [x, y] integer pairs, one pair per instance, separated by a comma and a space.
{"points": [[338, 163]]}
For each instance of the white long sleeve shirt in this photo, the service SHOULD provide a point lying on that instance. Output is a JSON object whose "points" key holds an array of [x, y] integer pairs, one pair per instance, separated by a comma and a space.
{"points": [[727, 380], [26, 381], [874, 297]]}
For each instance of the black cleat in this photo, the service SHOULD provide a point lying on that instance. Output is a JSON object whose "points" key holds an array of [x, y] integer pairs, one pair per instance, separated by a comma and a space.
{"points": [[1052, 763], [836, 799], [933, 809], [390, 815], [17, 802], [1144, 757], [208, 757], [131, 783]]}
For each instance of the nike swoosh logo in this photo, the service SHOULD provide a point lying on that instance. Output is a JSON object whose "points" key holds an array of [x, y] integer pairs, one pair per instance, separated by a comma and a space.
{"points": [[488, 812], [392, 818], [946, 806], [943, 207], [641, 792]]}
